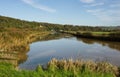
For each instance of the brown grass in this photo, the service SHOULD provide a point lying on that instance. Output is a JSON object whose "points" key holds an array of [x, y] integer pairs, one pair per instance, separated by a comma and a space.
{"points": [[102, 67]]}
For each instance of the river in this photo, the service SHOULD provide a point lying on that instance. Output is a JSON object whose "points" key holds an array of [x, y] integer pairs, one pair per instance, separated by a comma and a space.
{"points": [[66, 46]]}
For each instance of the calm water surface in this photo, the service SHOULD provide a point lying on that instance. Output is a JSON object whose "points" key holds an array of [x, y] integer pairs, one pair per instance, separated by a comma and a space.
{"points": [[71, 47]]}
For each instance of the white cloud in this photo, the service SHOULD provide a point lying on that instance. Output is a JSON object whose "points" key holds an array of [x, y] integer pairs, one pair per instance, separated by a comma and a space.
{"points": [[109, 14], [106, 15], [87, 1], [39, 6], [95, 10], [97, 4]]}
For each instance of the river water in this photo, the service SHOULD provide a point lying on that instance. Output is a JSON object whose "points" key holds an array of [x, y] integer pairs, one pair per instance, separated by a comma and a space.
{"points": [[66, 46]]}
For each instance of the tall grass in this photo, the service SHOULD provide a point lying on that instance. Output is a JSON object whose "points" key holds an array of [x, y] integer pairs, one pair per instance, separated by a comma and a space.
{"points": [[83, 66], [63, 68], [14, 44], [18, 40]]}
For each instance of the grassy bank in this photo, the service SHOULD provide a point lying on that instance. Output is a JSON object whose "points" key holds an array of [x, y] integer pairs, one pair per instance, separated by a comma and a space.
{"points": [[63, 68], [14, 44], [16, 35], [17, 40], [107, 36]]}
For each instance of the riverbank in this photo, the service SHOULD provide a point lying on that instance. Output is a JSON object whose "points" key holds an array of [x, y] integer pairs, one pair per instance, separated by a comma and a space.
{"points": [[107, 36], [14, 44], [63, 68], [16, 36], [15, 40]]}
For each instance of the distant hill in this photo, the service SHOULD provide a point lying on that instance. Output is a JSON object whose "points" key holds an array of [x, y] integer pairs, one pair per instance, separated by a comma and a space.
{"points": [[8, 22], [12, 22]]}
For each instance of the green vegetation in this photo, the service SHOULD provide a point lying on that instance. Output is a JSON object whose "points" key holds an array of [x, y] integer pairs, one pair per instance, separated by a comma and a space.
{"points": [[7, 22], [63, 68], [108, 36], [16, 35]]}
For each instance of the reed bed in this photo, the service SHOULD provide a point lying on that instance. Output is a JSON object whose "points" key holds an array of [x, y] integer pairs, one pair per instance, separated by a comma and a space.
{"points": [[63, 68], [18, 40], [82, 66]]}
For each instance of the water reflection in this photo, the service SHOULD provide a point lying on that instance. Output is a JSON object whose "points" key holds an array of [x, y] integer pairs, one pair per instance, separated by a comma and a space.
{"points": [[18, 57], [62, 46], [15, 57], [67, 46], [9, 57], [53, 37], [112, 45]]}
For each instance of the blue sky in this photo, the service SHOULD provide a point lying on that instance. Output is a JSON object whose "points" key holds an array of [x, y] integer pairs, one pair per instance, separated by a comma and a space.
{"points": [[77, 12]]}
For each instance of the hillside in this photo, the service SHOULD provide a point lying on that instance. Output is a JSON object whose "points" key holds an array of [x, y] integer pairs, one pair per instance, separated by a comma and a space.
{"points": [[8, 22]]}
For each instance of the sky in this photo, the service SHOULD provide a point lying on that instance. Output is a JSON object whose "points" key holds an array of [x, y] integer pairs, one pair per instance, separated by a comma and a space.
{"points": [[76, 12]]}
